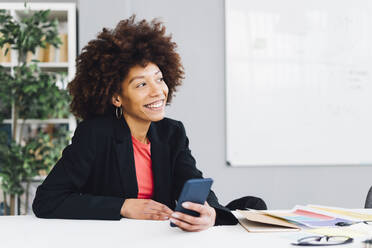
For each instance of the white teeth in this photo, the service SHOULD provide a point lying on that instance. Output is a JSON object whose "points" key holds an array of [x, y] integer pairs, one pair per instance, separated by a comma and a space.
{"points": [[155, 105]]}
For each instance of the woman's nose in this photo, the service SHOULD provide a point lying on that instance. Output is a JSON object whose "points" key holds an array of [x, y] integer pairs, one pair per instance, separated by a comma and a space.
{"points": [[156, 88]]}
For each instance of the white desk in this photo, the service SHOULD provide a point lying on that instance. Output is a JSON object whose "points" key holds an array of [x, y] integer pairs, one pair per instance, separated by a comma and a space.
{"points": [[29, 231]]}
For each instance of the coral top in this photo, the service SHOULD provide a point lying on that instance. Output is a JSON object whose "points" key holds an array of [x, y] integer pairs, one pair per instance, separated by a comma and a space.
{"points": [[143, 163]]}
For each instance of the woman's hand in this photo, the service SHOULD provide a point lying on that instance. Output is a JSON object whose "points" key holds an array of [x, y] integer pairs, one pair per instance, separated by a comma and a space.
{"points": [[190, 223], [145, 209]]}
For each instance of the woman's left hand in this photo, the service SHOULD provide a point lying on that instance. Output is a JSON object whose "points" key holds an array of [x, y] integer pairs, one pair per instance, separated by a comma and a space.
{"points": [[190, 223]]}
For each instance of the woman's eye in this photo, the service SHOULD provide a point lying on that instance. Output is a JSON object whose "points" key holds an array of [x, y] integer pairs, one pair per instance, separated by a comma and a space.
{"points": [[160, 79], [141, 85]]}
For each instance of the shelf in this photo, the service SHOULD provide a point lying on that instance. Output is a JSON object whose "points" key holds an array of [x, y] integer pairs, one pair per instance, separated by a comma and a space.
{"points": [[52, 65], [39, 121], [7, 64], [38, 178], [60, 15], [63, 65]]}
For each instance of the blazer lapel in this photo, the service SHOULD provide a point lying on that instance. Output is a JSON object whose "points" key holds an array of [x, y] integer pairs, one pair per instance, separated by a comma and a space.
{"points": [[160, 157], [125, 158]]}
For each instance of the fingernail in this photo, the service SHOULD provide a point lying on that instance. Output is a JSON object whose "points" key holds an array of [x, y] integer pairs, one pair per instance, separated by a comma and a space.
{"points": [[166, 217], [172, 220], [175, 215], [185, 204]]}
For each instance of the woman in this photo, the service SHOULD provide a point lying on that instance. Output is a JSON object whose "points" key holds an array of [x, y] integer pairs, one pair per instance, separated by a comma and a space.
{"points": [[126, 159]]}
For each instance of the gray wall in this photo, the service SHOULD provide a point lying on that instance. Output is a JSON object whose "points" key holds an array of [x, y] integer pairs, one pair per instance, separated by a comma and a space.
{"points": [[198, 29]]}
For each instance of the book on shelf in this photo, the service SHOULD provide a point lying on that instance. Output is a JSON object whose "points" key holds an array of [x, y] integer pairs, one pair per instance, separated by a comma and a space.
{"points": [[63, 49], [50, 53], [47, 54], [5, 58]]}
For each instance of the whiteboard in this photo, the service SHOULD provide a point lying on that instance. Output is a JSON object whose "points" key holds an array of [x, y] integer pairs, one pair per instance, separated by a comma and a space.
{"points": [[298, 82]]}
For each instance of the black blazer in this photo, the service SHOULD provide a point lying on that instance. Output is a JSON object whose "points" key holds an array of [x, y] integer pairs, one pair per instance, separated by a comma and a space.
{"points": [[96, 172]]}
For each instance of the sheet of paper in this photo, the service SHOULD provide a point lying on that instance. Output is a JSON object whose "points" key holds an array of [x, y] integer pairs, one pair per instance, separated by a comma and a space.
{"points": [[343, 212], [354, 231], [308, 218]]}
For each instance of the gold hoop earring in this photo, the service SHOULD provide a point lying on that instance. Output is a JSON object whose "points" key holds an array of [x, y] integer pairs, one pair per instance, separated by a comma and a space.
{"points": [[118, 112]]}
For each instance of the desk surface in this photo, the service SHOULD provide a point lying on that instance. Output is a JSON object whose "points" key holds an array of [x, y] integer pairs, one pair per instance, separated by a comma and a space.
{"points": [[29, 231]]}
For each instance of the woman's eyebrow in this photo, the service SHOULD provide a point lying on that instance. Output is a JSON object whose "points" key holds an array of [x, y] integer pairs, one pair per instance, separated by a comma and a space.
{"points": [[138, 77]]}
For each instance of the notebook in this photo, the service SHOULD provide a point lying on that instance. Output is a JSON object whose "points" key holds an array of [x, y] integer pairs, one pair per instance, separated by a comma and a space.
{"points": [[256, 221]]}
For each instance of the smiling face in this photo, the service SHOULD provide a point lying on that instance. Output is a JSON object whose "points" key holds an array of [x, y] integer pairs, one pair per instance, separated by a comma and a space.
{"points": [[144, 94]]}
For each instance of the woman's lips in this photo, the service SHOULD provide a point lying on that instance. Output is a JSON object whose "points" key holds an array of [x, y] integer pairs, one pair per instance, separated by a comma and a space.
{"points": [[155, 106]]}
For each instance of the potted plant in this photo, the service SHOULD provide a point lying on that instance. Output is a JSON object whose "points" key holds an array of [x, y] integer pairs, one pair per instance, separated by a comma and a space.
{"points": [[32, 94]]}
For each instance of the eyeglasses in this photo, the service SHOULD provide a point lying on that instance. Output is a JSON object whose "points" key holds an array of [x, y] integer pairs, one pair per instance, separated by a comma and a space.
{"points": [[323, 240], [367, 243], [368, 222]]}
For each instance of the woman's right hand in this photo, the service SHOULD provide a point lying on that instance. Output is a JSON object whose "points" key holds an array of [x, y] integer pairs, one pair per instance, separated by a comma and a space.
{"points": [[145, 209]]}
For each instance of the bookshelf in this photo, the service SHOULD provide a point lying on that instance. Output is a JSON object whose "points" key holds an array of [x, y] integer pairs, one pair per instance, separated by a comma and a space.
{"points": [[62, 59], [51, 60]]}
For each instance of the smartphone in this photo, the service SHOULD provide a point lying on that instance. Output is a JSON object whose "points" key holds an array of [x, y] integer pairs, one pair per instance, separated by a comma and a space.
{"points": [[196, 191]]}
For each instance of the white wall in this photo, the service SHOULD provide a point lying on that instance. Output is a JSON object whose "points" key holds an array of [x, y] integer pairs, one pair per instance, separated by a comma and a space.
{"points": [[198, 29]]}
